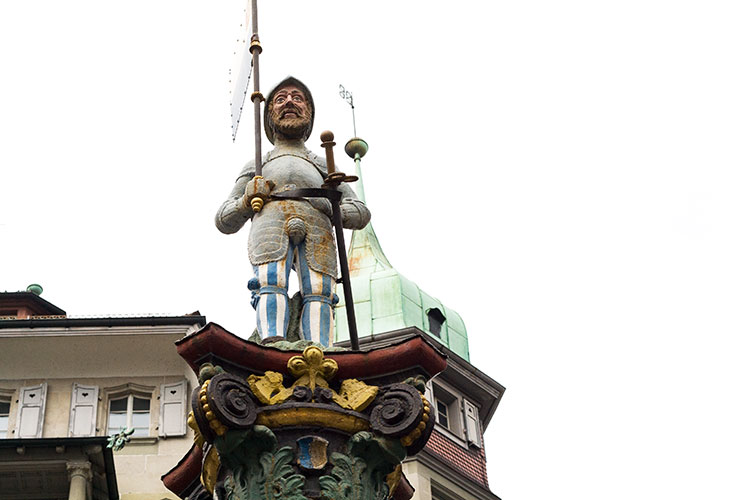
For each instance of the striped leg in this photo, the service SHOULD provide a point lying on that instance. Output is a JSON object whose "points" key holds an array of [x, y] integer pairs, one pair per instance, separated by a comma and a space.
{"points": [[272, 313], [317, 290]]}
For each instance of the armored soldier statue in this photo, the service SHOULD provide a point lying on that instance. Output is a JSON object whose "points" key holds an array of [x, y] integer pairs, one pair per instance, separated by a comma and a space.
{"points": [[290, 233]]}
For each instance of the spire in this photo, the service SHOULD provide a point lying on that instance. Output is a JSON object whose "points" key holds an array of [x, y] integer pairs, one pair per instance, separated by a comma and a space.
{"points": [[385, 300]]}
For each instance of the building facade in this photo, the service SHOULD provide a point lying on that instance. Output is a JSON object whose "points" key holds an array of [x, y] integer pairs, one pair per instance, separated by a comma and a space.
{"points": [[388, 306], [68, 381]]}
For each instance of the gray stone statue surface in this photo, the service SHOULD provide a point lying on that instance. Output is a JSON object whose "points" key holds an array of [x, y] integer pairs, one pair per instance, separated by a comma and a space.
{"points": [[290, 234]]}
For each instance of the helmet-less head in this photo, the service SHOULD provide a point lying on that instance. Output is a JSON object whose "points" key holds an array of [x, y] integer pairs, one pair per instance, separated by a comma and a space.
{"points": [[289, 111]]}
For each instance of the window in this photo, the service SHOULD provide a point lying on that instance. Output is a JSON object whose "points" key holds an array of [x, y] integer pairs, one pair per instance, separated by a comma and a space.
{"points": [[448, 413], [128, 406], [442, 413], [436, 319], [129, 412], [147, 410], [455, 413], [4, 418]]}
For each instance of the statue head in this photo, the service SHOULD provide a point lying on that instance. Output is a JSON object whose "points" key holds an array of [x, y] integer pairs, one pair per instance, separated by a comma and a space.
{"points": [[289, 111]]}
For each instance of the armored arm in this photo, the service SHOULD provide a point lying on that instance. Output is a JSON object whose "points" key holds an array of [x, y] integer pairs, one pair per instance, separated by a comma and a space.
{"points": [[354, 213], [233, 213]]}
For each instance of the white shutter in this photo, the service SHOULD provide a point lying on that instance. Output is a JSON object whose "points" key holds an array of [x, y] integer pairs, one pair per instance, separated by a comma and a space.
{"points": [[83, 404], [473, 430], [428, 393], [172, 416], [31, 402]]}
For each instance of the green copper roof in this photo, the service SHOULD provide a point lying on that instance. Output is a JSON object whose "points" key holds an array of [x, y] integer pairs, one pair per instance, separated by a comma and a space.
{"points": [[384, 300]]}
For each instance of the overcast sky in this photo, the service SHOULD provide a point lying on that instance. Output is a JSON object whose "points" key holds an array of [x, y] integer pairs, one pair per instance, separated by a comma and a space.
{"points": [[571, 177]]}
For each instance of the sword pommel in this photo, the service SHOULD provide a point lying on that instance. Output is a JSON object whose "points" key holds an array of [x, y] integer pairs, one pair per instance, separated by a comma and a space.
{"points": [[328, 144]]}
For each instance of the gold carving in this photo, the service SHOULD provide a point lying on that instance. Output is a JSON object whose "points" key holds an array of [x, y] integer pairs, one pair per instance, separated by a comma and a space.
{"points": [[197, 436], [311, 369], [315, 417], [210, 472], [355, 395], [269, 389]]}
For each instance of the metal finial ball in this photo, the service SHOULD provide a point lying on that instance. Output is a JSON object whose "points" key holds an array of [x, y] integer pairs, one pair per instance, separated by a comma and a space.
{"points": [[35, 289], [356, 146], [326, 136]]}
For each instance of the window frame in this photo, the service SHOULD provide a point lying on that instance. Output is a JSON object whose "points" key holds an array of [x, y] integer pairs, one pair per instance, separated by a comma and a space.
{"points": [[458, 421], [130, 391], [129, 412], [6, 396], [452, 401]]}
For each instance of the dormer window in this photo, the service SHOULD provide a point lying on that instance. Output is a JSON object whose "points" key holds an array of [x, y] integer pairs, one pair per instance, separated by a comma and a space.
{"points": [[436, 320]]}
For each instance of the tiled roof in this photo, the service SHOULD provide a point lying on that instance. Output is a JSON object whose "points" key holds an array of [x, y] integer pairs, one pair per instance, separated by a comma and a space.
{"points": [[470, 462]]}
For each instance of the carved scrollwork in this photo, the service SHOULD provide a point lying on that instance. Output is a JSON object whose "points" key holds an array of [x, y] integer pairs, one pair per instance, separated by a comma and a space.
{"points": [[231, 401], [199, 416], [398, 412], [417, 438]]}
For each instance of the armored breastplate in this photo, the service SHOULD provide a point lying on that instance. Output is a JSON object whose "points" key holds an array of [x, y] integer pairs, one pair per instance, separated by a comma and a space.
{"points": [[292, 171], [270, 230]]}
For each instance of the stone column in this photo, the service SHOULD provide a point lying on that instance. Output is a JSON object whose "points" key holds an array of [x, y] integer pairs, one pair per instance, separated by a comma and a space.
{"points": [[79, 473]]}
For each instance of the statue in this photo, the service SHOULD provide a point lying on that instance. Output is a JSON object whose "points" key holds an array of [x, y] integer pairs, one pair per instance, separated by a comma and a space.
{"points": [[290, 233]]}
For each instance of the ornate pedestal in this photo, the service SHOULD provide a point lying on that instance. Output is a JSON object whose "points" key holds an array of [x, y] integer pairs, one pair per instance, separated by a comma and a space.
{"points": [[289, 424]]}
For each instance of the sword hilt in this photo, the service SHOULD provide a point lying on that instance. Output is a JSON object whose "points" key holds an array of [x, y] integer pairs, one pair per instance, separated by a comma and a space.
{"points": [[327, 137], [333, 179]]}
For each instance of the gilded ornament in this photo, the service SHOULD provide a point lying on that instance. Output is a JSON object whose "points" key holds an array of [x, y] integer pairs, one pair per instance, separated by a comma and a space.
{"points": [[210, 471], [355, 395], [313, 417], [269, 389], [311, 369]]}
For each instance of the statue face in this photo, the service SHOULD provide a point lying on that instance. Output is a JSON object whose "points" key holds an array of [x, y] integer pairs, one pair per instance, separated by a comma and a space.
{"points": [[290, 112]]}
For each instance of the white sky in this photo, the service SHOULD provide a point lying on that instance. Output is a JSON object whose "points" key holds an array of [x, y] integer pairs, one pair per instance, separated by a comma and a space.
{"points": [[571, 177]]}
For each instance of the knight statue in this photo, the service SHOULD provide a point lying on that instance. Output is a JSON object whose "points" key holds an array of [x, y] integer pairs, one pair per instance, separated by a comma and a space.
{"points": [[290, 233]]}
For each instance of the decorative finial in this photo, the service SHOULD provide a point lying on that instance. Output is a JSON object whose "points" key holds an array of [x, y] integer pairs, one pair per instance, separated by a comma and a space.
{"points": [[35, 289], [356, 147]]}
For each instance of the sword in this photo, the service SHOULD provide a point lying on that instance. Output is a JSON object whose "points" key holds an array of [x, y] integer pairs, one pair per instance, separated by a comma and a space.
{"points": [[328, 190]]}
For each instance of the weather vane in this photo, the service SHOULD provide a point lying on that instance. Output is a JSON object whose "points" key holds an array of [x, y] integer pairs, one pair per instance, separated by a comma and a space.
{"points": [[356, 147], [349, 98]]}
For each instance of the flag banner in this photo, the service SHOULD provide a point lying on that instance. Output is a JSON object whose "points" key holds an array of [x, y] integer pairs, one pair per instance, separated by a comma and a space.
{"points": [[240, 75]]}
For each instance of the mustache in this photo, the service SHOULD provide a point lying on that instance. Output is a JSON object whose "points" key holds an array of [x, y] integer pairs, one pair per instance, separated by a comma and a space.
{"points": [[290, 106]]}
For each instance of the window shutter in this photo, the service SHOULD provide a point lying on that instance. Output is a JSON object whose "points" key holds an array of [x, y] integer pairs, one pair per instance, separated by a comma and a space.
{"points": [[83, 404], [172, 417], [31, 404], [473, 430], [428, 393]]}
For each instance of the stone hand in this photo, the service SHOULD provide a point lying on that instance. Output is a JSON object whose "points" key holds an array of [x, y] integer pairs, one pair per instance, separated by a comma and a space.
{"points": [[322, 205], [257, 191], [354, 214]]}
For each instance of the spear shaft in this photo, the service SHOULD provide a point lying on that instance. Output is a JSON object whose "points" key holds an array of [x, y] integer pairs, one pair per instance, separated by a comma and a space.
{"points": [[257, 97]]}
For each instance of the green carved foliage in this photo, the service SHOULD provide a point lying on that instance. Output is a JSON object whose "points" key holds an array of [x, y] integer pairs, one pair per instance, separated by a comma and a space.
{"points": [[350, 480], [258, 472], [361, 474]]}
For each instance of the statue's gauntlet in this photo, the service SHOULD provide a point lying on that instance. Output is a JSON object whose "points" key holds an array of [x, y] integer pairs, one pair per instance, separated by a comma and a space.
{"points": [[354, 214], [257, 188]]}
